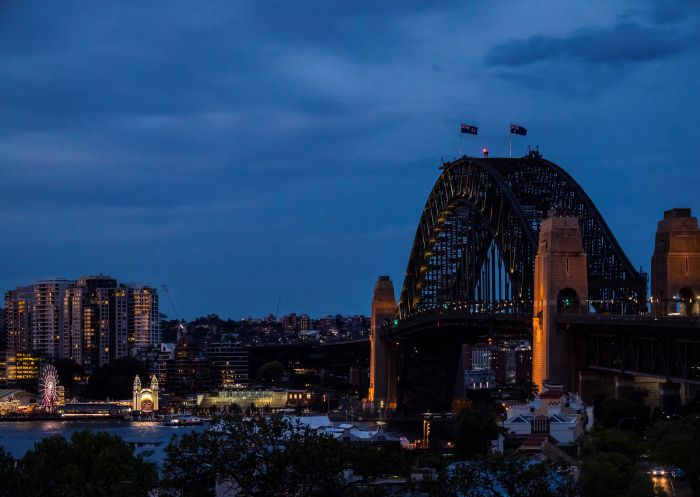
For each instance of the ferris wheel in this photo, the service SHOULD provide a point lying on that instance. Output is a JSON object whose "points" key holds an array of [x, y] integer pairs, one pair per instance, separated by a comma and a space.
{"points": [[48, 387]]}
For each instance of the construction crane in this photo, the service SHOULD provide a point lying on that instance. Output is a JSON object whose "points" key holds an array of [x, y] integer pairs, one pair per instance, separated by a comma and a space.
{"points": [[277, 309], [180, 327]]}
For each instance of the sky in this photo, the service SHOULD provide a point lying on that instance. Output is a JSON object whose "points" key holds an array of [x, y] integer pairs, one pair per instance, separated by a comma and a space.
{"points": [[244, 153]]}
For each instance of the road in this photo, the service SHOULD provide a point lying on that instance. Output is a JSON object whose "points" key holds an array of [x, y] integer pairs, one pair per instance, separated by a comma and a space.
{"points": [[671, 487]]}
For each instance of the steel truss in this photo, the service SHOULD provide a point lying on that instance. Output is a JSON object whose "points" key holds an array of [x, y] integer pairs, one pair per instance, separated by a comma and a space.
{"points": [[476, 241], [668, 359], [427, 376]]}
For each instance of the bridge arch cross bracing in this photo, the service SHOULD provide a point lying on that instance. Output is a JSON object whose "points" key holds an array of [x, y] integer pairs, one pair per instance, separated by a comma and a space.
{"points": [[484, 214]]}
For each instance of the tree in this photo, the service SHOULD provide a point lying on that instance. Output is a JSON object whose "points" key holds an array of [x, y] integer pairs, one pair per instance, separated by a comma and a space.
{"points": [[527, 390], [91, 464], [257, 456], [67, 370], [510, 475], [13, 482], [188, 471], [270, 372], [115, 379], [605, 473], [476, 425], [609, 465], [368, 460], [611, 411], [678, 443]]}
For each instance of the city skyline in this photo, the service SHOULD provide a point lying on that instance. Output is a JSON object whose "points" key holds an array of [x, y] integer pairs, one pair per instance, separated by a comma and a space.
{"points": [[236, 154]]}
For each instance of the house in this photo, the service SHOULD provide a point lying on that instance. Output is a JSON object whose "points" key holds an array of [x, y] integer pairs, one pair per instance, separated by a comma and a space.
{"points": [[557, 419]]}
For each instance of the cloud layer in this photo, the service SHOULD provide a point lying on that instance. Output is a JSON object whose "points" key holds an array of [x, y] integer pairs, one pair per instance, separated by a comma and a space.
{"points": [[238, 151]]}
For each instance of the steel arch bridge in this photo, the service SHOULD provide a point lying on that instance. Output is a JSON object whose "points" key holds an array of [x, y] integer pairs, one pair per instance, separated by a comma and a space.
{"points": [[475, 245]]}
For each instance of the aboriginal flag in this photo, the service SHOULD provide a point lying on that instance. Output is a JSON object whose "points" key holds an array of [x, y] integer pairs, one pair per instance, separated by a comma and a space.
{"points": [[516, 129], [471, 130]]}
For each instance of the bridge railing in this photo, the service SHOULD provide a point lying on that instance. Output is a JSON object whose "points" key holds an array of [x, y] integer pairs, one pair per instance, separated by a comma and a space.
{"points": [[520, 306]]}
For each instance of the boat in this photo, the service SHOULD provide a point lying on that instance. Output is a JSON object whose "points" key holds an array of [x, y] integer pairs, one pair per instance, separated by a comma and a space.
{"points": [[182, 420]]}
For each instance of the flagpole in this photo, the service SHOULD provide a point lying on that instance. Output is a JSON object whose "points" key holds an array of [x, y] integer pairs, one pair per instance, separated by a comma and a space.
{"points": [[510, 143]]}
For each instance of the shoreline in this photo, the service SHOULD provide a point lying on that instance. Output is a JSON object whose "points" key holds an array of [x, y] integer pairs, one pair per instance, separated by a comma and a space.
{"points": [[4, 419]]}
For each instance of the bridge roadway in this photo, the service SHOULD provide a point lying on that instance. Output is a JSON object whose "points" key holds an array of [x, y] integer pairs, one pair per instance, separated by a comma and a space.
{"points": [[468, 326], [429, 345], [665, 347]]}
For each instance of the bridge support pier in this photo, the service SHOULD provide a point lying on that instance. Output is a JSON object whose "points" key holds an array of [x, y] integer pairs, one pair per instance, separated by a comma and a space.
{"points": [[561, 287], [670, 397], [428, 367], [675, 265], [383, 365], [624, 386]]}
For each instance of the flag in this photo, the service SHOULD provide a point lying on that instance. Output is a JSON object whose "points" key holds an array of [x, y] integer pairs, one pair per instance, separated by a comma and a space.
{"points": [[516, 129], [466, 128]]}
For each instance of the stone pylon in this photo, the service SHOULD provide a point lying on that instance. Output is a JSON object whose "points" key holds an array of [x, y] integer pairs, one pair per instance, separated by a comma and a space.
{"points": [[561, 286], [382, 366], [675, 265]]}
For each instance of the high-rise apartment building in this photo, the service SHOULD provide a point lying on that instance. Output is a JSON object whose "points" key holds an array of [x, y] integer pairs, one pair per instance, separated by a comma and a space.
{"points": [[119, 314], [144, 322], [47, 316], [18, 318], [304, 322], [95, 321], [92, 320]]}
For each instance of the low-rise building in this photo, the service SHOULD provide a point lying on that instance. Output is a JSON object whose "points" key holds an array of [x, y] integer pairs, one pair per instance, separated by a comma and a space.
{"points": [[13, 401], [558, 417], [349, 433], [243, 398]]}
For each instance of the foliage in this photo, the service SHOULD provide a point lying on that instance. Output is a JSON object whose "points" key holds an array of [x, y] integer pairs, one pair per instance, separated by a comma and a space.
{"points": [[610, 441], [188, 471], [476, 425], [510, 475], [94, 464], [258, 456], [377, 460], [678, 443], [115, 379], [612, 411], [67, 369], [609, 465], [13, 481], [527, 390], [270, 372]]}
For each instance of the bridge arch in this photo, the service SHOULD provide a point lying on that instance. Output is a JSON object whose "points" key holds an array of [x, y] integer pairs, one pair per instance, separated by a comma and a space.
{"points": [[687, 303], [476, 240], [568, 301]]}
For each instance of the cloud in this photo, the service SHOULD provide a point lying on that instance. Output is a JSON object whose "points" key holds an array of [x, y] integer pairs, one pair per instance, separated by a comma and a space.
{"points": [[239, 131], [624, 43], [670, 11]]}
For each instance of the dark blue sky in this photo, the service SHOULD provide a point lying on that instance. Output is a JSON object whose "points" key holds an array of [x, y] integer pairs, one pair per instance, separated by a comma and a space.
{"points": [[236, 151]]}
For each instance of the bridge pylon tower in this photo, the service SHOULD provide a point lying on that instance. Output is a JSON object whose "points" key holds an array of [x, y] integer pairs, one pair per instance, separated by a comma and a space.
{"points": [[675, 265], [561, 286], [383, 366]]}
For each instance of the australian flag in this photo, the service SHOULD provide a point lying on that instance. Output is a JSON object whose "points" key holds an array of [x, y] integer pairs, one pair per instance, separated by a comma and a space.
{"points": [[466, 128], [516, 129]]}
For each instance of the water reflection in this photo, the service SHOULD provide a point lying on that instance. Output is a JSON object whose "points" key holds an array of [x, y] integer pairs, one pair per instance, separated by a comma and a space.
{"points": [[148, 438]]}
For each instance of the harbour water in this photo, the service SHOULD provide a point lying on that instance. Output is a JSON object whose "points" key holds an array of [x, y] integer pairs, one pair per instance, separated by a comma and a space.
{"points": [[148, 438]]}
